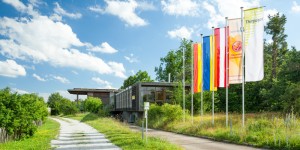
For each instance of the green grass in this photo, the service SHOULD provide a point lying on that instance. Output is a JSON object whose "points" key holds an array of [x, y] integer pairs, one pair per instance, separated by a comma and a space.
{"points": [[121, 135], [270, 130], [39, 141]]}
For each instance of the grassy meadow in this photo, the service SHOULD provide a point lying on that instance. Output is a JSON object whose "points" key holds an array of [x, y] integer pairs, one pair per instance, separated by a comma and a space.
{"points": [[269, 130], [121, 135], [39, 141]]}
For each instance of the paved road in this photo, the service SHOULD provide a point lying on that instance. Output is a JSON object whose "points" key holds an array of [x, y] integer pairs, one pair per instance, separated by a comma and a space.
{"points": [[75, 135], [193, 143]]}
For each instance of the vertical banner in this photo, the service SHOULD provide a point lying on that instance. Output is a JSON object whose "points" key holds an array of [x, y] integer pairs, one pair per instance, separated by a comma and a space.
{"points": [[254, 30], [206, 63], [212, 65], [235, 51], [220, 56], [197, 67], [209, 58]]}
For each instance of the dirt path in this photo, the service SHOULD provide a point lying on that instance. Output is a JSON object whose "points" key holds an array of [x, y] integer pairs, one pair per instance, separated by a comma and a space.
{"points": [[192, 143], [75, 135]]}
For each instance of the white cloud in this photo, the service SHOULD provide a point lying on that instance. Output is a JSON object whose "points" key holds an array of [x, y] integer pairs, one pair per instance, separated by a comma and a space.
{"points": [[295, 7], [27, 39], [105, 84], [18, 5], [219, 9], [131, 58], [104, 48], [60, 11], [29, 67], [75, 72], [180, 7], [19, 91], [36, 3], [38, 77], [55, 17], [182, 32], [143, 5], [61, 79], [10, 68], [125, 10], [96, 9], [118, 69]]}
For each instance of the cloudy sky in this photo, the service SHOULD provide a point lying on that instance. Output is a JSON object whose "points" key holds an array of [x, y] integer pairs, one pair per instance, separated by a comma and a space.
{"points": [[51, 46]]}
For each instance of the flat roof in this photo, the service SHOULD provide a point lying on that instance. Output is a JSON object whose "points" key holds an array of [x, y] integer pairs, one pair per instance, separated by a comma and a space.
{"points": [[85, 91], [167, 84]]}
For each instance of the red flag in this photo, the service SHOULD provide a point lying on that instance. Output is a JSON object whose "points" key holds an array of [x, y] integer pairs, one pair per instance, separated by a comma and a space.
{"points": [[220, 48]]}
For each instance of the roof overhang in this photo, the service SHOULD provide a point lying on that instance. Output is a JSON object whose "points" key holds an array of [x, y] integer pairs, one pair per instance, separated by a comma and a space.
{"points": [[85, 91]]}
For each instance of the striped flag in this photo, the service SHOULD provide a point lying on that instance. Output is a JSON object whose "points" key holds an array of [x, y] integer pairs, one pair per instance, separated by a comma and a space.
{"points": [[197, 67], [220, 49], [209, 69]]}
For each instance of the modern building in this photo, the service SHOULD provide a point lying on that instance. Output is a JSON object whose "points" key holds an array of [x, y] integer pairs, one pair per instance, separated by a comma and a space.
{"points": [[103, 94], [129, 103]]}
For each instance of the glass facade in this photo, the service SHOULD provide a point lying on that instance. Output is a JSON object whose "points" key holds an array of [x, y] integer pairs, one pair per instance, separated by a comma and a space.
{"points": [[133, 98], [156, 94]]}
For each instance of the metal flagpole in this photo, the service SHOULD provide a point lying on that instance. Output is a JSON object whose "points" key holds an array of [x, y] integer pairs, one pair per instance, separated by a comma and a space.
{"points": [[213, 80], [183, 84], [227, 69], [192, 84], [243, 68], [202, 76]]}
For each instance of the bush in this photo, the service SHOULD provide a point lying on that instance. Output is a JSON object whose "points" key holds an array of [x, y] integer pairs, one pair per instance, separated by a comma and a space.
{"points": [[92, 104], [69, 108], [60, 105], [105, 111], [291, 99], [20, 114], [162, 115]]}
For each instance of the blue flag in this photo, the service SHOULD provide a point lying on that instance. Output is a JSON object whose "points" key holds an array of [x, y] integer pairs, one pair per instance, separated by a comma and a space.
{"points": [[206, 63]]}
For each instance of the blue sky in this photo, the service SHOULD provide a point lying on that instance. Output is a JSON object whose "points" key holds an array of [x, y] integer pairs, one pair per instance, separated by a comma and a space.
{"points": [[52, 46]]}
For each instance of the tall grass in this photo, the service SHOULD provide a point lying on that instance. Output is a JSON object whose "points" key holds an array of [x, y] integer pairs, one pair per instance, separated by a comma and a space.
{"points": [[270, 130], [39, 141], [121, 135]]}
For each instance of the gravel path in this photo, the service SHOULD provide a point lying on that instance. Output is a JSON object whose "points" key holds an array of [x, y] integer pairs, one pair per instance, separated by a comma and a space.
{"points": [[75, 135], [193, 143]]}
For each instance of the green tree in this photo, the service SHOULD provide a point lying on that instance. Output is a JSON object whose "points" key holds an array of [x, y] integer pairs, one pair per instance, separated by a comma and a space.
{"points": [[92, 104], [20, 114], [173, 64], [67, 107], [291, 98], [291, 66], [140, 76], [275, 27], [54, 101], [60, 105]]}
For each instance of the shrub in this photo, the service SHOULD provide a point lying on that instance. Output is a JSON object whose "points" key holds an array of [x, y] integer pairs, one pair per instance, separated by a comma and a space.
{"points": [[92, 104], [69, 108], [162, 115], [60, 105], [105, 111], [20, 114]]}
